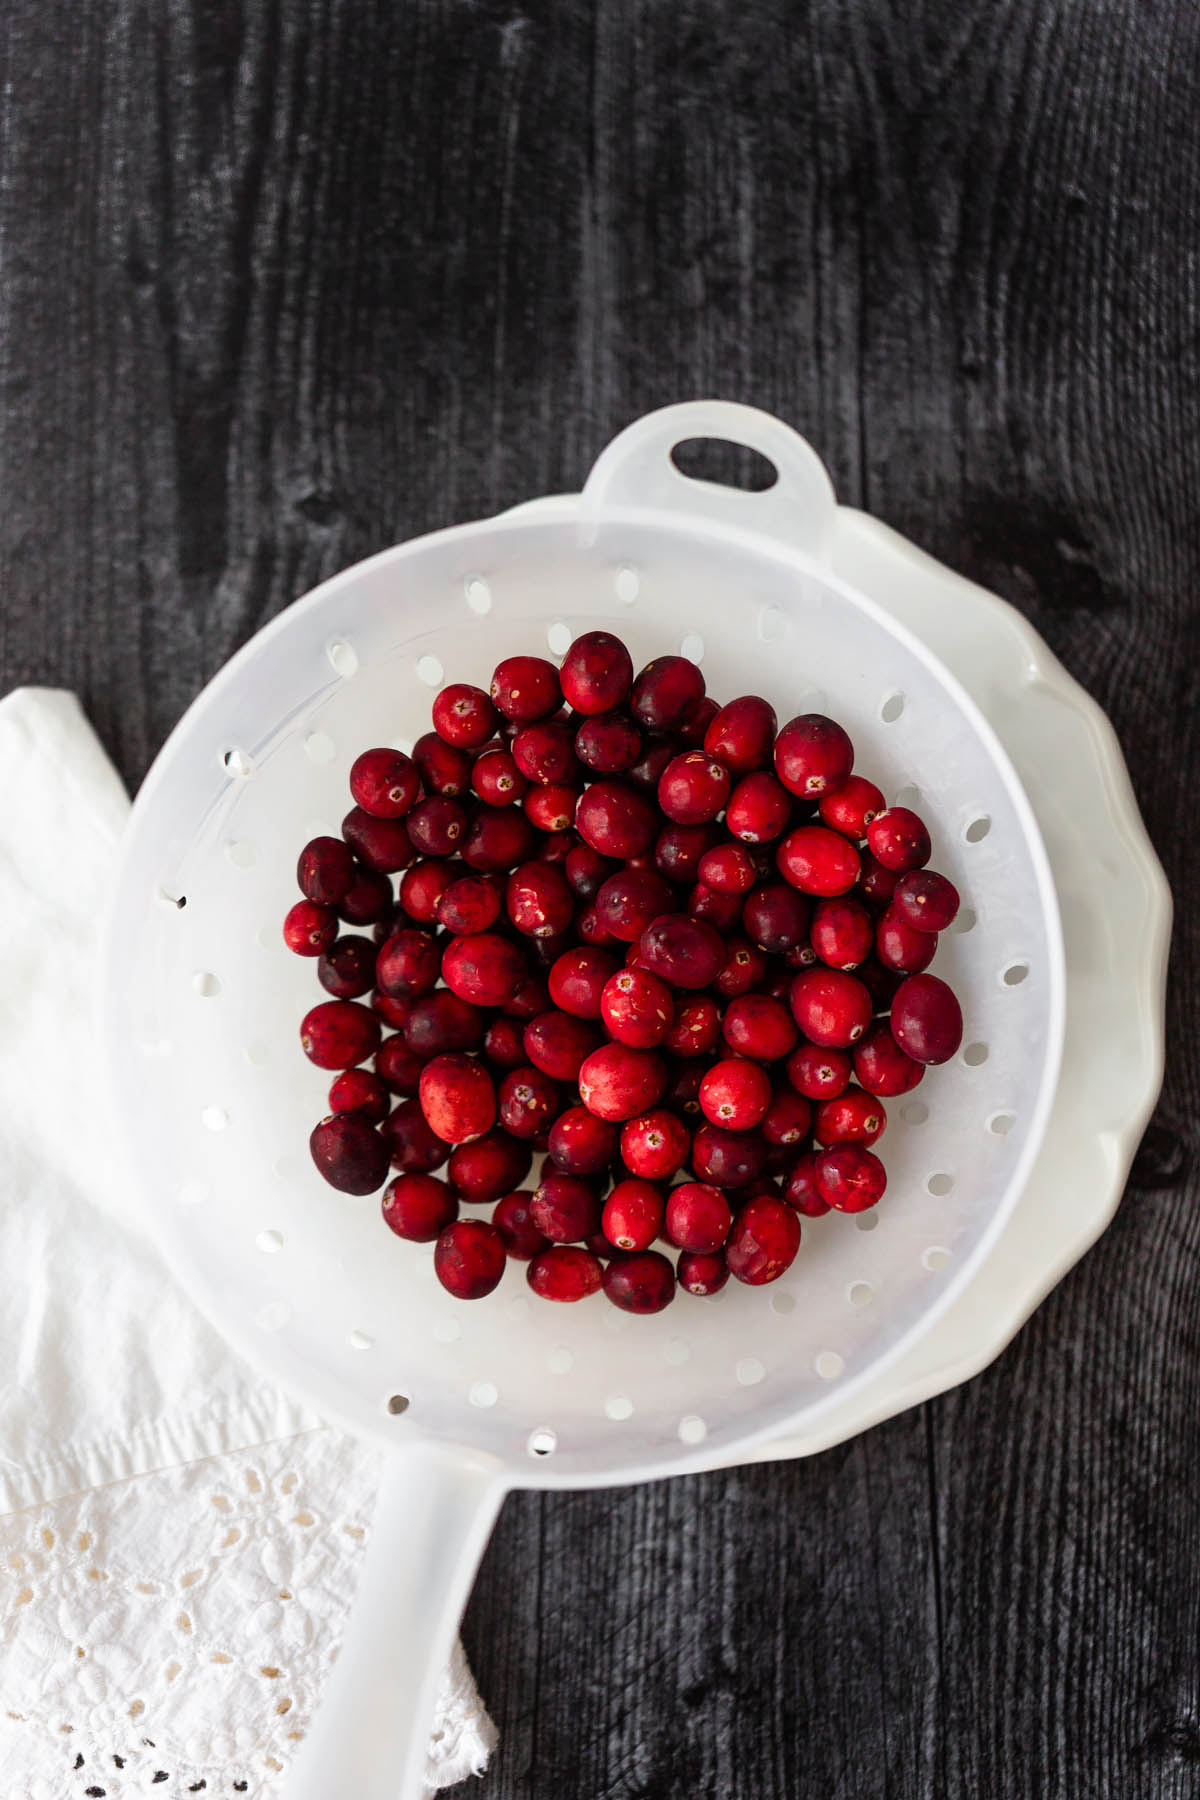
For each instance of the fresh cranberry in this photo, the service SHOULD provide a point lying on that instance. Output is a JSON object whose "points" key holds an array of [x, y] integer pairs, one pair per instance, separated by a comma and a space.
{"points": [[551, 808], [357, 1090], [382, 844], [819, 1072], [580, 1143], [742, 734], [435, 826], [440, 1021], [616, 819], [608, 745], [850, 1178], [414, 1147], [696, 1030], [525, 688], [384, 783], [539, 901], [512, 1219], [565, 1272], [484, 968], [443, 768], [698, 1217], [468, 905], [565, 1208], [898, 839], [422, 886], [577, 980], [496, 778], [394, 919], [875, 883], [504, 1044], [392, 1012], [776, 917], [637, 1008], [496, 838], [699, 1273], [658, 752], [531, 996], [457, 1097], [818, 861], [728, 868], [655, 1144], [759, 809], [696, 722], [469, 1258], [813, 756], [693, 788], [347, 969], [925, 901], [721, 911], [489, 1166], [759, 1027], [735, 1094], [831, 1008], [629, 901], [685, 952], [349, 1153], [842, 932], [408, 964], [589, 928], [901, 946], [325, 871], [633, 1214], [745, 967], [616, 1082], [596, 673], [802, 1191], [339, 1033], [882, 984], [851, 807], [418, 1207], [853, 1118], [643, 1282], [926, 1019], [309, 929], [763, 1241], [368, 899], [528, 1102], [787, 1118], [683, 1093], [587, 871], [557, 1044], [881, 1066], [398, 1067], [727, 1159], [545, 752], [464, 716], [665, 692]]}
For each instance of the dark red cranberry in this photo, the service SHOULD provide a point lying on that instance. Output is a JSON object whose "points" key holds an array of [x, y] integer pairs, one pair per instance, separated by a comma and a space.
{"points": [[655, 1144], [742, 734], [813, 756], [643, 1282], [384, 783], [649, 766], [347, 969], [758, 1026], [745, 968], [398, 1067], [694, 728], [802, 1191], [608, 745], [580, 1143], [831, 1008], [925, 901], [325, 871], [693, 788], [489, 1166], [776, 917], [439, 1022], [496, 838], [435, 826], [557, 1044], [529, 998], [849, 1178], [552, 807], [842, 932], [545, 752], [721, 911], [512, 1219], [484, 968], [349, 1153], [469, 1258], [444, 769], [735, 1094], [309, 929], [627, 902], [565, 1272], [875, 883], [616, 1082], [368, 899], [529, 1102], [879, 982], [852, 807], [696, 1030], [759, 809], [339, 1033], [418, 1207], [587, 871], [697, 1216], [596, 673], [357, 1090], [565, 1208], [898, 839], [637, 1008], [616, 819], [470, 904], [538, 900], [526, 688], [633, 1214], [926, 1019], [881, 1066], [382, 844], [787, 1118], [683, 1094], [504, 1044], [818, 1071], [701, 1274], [392, 1012], [408, 964], [393, 920], [853, 1118], [818, 861], [464, 716], [457, 1097], [727, 1159], [729, 868], [685, 952], [665, 692], [763, 1241], [577, 980], [901, 946], [496, 778]]}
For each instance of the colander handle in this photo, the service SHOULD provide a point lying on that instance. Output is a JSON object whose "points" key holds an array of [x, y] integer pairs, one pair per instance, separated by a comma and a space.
{"points": [[636, 470], [370, 1738]]}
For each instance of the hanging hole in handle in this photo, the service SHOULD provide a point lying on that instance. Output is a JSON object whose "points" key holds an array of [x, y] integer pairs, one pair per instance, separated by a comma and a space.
{"points": [[725, 464]]}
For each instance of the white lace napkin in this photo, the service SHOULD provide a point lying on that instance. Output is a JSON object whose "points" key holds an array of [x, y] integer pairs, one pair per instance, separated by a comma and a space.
{"points": [[180, 1541]]}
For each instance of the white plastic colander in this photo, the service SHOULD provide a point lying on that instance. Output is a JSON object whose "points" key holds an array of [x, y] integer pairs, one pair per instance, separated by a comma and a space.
{"points": [[200, 1005]]}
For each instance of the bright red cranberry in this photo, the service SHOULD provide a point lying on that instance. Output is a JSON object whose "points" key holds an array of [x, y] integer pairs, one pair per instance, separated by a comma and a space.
{"points": [[693, 788], [696, 1030], [643, 1282], [545, 752], [655, 1144], [382, 844], [440, 1021], [685, 952], [763, 1241], [813, 756], [422, 886], [349, 1153], [489, 1166], [587, 871], [553, 807], [616, 819], [565, 1208], [384, 783], [802, 1191], [526, 688], [659, 751], [483, 968], [392, 1012], [357, 1090], [787, 1118], [469, 1258], [637, 1008], [616, 1082], [435, 826], [925, 900], [759, 1027], [699, 1273], [728, 868], [457, 1097], [408, 964], [444, 768], [347, 969], [745, 968], [831, 1008], [468, 905], [735, 1094], [464, 716], [496, 838], [759, 809], [557, 1044], [819, 1072], [901, 946], [325, 871], [398, 1067], [528, 1102], [512, 1219], [776, 917], [565, 1272], [596, 673], [577, 980], [853, 1118], [842, 932], [309, 929], [504, 1044], [580, 1143], [608, 745], [818, 861], [852, 807], [628, 901], [881, 1066], [418, 1207], [926, 1019], [538, 900], [898, 839], [742, 734], [850, 1178], [665, 692], [496, 778], [697, 1217], [339, 1033], [633, 1214], [369, 898], [727, 1159]]}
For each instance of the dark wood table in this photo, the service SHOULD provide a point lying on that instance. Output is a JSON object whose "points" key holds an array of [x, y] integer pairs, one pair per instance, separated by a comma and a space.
{"points": [[283, 283]]}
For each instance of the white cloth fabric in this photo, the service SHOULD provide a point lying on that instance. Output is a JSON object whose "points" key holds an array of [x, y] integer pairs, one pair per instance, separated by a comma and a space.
{"points": [[180, 1541]]}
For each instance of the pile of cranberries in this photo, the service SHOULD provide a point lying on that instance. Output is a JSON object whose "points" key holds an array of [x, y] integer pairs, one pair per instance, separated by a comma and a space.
{"points": [[677, 950]]}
